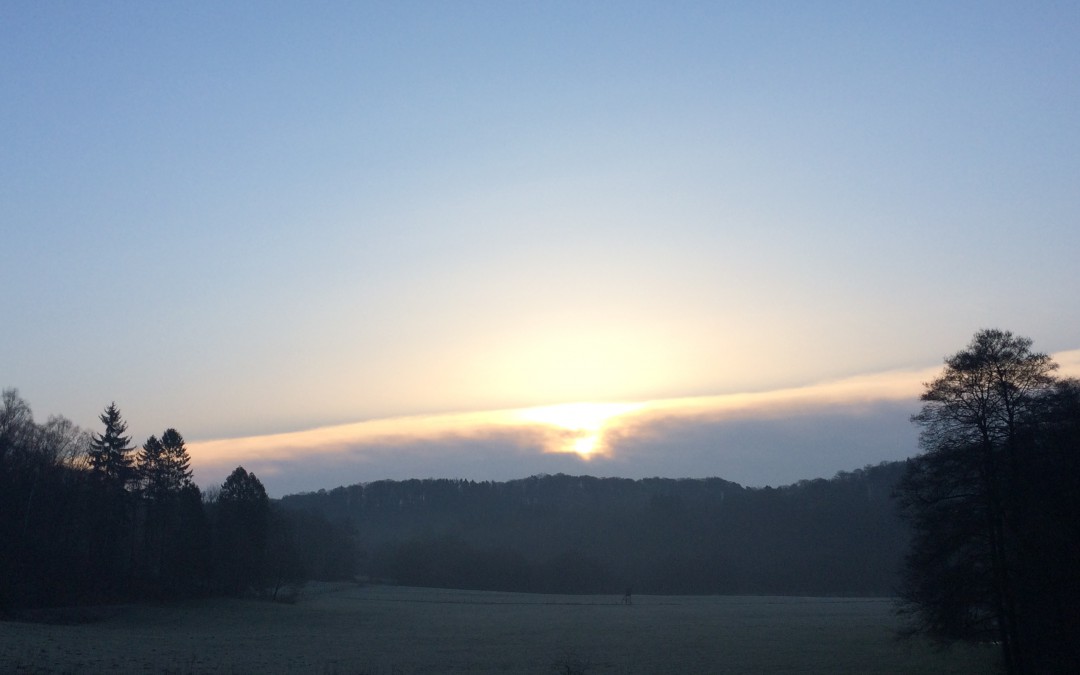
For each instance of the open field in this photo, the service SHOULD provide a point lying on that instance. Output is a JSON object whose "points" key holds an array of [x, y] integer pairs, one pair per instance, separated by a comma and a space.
{"points": [[391, 631]]}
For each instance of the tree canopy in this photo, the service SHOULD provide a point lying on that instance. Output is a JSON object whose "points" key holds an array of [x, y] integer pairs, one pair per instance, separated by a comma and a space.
{"points": [[82, 523], [243, 517], [164, 465], [110, 452], [988, 501]]}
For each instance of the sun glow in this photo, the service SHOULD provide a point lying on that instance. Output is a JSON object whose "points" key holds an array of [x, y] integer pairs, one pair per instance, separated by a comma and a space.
{"points": [[582, 425], [587, 430]]}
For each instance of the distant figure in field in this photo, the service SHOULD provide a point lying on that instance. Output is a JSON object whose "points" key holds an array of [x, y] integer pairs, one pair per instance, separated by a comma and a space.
{"points": [[627, 598]]}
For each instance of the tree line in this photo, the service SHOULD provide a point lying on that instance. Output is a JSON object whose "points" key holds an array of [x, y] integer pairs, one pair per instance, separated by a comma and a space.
{"points": [[88, 518], [580, 534]]}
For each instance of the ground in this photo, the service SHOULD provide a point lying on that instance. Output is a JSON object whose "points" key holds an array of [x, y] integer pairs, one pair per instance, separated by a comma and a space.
{"points": [[380, 630]]}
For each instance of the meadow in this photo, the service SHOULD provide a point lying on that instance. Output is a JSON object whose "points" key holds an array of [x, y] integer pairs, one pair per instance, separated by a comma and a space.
{"points": [[380, 630]]}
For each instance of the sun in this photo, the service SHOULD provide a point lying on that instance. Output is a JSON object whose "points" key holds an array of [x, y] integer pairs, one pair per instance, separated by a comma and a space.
{"points": [[583, 424], [584, 443]]}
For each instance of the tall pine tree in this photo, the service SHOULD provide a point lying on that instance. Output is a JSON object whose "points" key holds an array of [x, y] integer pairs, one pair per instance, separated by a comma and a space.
{"points": [[178, 463], [110, 452], [243, 529], [164, 465], [171, 526], [111, 552]]}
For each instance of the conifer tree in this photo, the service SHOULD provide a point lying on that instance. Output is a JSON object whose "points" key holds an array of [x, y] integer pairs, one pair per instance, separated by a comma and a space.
{"points": [[164, 465], [243, 527], [165, 475], [110, 452], [111, 555], [149, 466], [177, 460]]}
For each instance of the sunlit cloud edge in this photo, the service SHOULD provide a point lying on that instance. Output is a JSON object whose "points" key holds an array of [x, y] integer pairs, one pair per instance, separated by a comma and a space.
{"points": [[591, 430]]}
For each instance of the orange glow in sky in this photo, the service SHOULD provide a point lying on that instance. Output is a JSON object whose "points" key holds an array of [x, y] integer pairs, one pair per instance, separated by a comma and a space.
{"points": [[584, 424], [591, 430], [583, 428]]}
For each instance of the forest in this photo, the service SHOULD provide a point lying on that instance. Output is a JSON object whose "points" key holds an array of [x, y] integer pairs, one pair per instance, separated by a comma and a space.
{"points": [[88, 518], [579, 534]]}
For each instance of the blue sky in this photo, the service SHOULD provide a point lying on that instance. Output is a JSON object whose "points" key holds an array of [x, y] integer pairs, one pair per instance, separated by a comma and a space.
{"points": [[241, 219]]}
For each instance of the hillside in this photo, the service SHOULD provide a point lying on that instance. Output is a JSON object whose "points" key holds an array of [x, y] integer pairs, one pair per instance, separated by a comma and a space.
{"points": [[579, 534]]}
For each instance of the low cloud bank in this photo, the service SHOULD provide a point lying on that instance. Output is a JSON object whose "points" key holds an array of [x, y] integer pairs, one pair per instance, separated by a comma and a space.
{"points": [[766, 438]]}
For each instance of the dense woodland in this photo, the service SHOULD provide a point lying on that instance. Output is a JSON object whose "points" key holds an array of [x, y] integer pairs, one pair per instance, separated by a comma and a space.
{"points": [[87, 518], [578, 534]]}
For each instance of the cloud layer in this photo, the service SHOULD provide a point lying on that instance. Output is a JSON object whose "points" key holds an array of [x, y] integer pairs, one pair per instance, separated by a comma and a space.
{"points": [[765, 438], [772, 437]]}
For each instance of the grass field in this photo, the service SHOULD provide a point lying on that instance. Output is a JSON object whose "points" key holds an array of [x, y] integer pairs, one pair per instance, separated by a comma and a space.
{"points": [[405, 631]]}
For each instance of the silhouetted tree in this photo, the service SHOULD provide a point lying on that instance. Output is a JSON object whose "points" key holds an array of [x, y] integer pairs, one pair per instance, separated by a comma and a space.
{"points": [[974, 494], [1047, 529], [189, 563], [165, 475], [20, 478], [112, 550], [176, 459], [16, 423], [43, 508], [243, 512], [110, 452], [164, 465], [149, 466]]}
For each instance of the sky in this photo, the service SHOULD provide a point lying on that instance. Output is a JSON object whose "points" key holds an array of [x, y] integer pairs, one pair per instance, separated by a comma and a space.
{"points": [[342, 241]]}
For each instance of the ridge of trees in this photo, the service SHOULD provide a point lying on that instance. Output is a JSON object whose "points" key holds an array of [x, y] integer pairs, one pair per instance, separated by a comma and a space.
{"points": [[580, 534]]}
